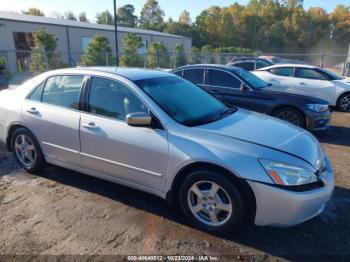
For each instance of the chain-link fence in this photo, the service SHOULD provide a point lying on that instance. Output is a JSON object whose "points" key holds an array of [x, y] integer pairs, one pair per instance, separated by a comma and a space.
{"points": [[35, 61]]}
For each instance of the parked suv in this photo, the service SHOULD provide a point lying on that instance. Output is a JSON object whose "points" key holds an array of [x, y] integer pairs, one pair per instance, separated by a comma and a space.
{"points": [[159, 133], [238, 87]]}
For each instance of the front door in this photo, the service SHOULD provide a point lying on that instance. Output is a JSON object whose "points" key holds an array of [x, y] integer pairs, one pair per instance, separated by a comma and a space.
{"points": [[227, 88], [315, 83], [111, 147]]}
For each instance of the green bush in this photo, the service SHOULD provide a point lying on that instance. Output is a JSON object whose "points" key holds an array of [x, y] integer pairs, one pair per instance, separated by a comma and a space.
{"points": [[157, 56], [98, 53], [44, 55], [130, 57]]}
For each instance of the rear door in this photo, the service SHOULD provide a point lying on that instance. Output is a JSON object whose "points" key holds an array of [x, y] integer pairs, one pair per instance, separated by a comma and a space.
{"points": [[281, 78], [51, 113]]}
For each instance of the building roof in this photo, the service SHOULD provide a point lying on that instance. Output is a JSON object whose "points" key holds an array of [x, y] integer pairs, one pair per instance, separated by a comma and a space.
{"points": [[63, 22]]}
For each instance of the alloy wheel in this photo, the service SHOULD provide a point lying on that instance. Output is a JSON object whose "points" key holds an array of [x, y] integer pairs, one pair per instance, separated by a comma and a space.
{"points": [[289, 116], [25, 151], [345, 103], [209, 203]]}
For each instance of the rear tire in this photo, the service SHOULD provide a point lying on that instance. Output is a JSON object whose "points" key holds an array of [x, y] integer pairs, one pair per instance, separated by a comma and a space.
{"points": [[290, 115], [211, 202], [343, 104], [27, 151]]}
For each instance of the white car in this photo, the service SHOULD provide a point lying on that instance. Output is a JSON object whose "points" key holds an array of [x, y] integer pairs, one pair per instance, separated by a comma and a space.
{"points": [[309, 80]]}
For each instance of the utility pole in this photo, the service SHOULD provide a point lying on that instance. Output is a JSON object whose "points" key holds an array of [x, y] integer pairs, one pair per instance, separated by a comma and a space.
{"points": [[116, 32]]}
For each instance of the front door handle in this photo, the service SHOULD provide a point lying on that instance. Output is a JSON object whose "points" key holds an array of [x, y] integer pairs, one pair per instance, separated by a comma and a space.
{"points": [[90, 126], [32, 111], [214, 92], [302, 83]]}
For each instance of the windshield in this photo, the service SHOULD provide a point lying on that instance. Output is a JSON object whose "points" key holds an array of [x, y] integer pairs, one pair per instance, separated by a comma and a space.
{"points": [[185, 102], [333, 75], [254, 81]]}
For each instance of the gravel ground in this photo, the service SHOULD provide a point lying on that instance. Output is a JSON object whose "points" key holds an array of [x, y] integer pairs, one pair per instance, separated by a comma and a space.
{"points": [[62, 212]]}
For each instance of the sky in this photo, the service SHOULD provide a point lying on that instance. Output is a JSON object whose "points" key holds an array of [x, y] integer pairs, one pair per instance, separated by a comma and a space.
{"points": [[171, 8]]}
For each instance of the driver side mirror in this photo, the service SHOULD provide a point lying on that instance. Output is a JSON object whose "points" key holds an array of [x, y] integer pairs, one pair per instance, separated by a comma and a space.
{"points": [[140, 119], [243, 87]]}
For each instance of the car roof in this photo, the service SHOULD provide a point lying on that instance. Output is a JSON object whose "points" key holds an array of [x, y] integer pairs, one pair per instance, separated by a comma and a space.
{"points": [[132, 74], [287, 65], [230, 68]]}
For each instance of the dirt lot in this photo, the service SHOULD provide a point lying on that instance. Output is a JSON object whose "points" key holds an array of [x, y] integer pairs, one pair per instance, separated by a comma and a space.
{"points": [[62, 212]]}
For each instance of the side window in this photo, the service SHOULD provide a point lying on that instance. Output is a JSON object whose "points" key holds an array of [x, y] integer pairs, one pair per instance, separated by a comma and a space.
{"points": [[179, 73], [63, 91], [113, 99], [37, 93], [261, 64], [307, 73], [194, 75], [222, 79], [246, 65], [283, 71]]}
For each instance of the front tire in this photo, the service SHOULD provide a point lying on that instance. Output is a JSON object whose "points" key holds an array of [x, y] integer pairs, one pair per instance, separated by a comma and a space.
{"points": [[290, 115], [211, 202], [27, 151], [343, 104]]}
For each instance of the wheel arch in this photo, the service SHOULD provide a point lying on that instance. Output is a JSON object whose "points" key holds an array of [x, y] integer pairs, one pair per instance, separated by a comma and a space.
{"points": [[347, 92], [10, 131], [300, 111], [243, 186]]}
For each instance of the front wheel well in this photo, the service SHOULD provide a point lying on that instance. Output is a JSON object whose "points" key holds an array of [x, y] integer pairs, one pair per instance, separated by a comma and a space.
{"points": [[244, 188], [12, 129]]}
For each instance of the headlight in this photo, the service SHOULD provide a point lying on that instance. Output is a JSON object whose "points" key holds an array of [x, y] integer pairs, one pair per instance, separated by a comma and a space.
{"points": [[287, 174], [318, 107]]}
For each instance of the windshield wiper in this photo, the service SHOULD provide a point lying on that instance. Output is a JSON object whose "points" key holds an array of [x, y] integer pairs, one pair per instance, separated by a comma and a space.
{"points": [[225, 113], [208, 120]]}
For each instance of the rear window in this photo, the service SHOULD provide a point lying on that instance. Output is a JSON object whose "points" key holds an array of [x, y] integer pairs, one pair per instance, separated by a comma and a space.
{"points": [[63, 91], [283, 71]]}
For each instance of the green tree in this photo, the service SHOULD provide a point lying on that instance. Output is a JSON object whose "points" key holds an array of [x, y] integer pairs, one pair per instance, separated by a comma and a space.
{"points": [[44, 55], [185, 18], [126, 16], [152, 16], [179, 56], [69, 15], [105, 18], [33, 11], [82, 17], [196, 57], [341, 20], [130, 57], [98, 53], [157, 56]]}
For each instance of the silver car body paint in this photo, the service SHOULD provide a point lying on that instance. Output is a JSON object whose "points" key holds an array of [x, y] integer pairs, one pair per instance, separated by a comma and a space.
{"points": [[149, 159]]}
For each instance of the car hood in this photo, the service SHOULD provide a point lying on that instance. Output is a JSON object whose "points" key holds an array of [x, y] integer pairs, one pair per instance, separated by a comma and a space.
{"points": [[269, 132]]}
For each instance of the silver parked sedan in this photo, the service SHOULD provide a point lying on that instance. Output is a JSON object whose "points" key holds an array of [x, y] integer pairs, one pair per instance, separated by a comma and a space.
{"points": [[159, 133]]}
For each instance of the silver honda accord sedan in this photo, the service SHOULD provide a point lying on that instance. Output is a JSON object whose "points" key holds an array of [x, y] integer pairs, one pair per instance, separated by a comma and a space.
{"points": [[159, 133]]}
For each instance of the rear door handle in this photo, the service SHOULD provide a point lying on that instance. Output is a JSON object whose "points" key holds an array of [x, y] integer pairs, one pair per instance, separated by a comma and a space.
{"points": [[214, 91], [32, 111], [302, 83], [90, 126]]}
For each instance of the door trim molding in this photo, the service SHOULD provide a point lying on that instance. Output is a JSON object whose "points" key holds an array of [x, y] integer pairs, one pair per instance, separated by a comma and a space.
{"points": [[122, 165]]}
